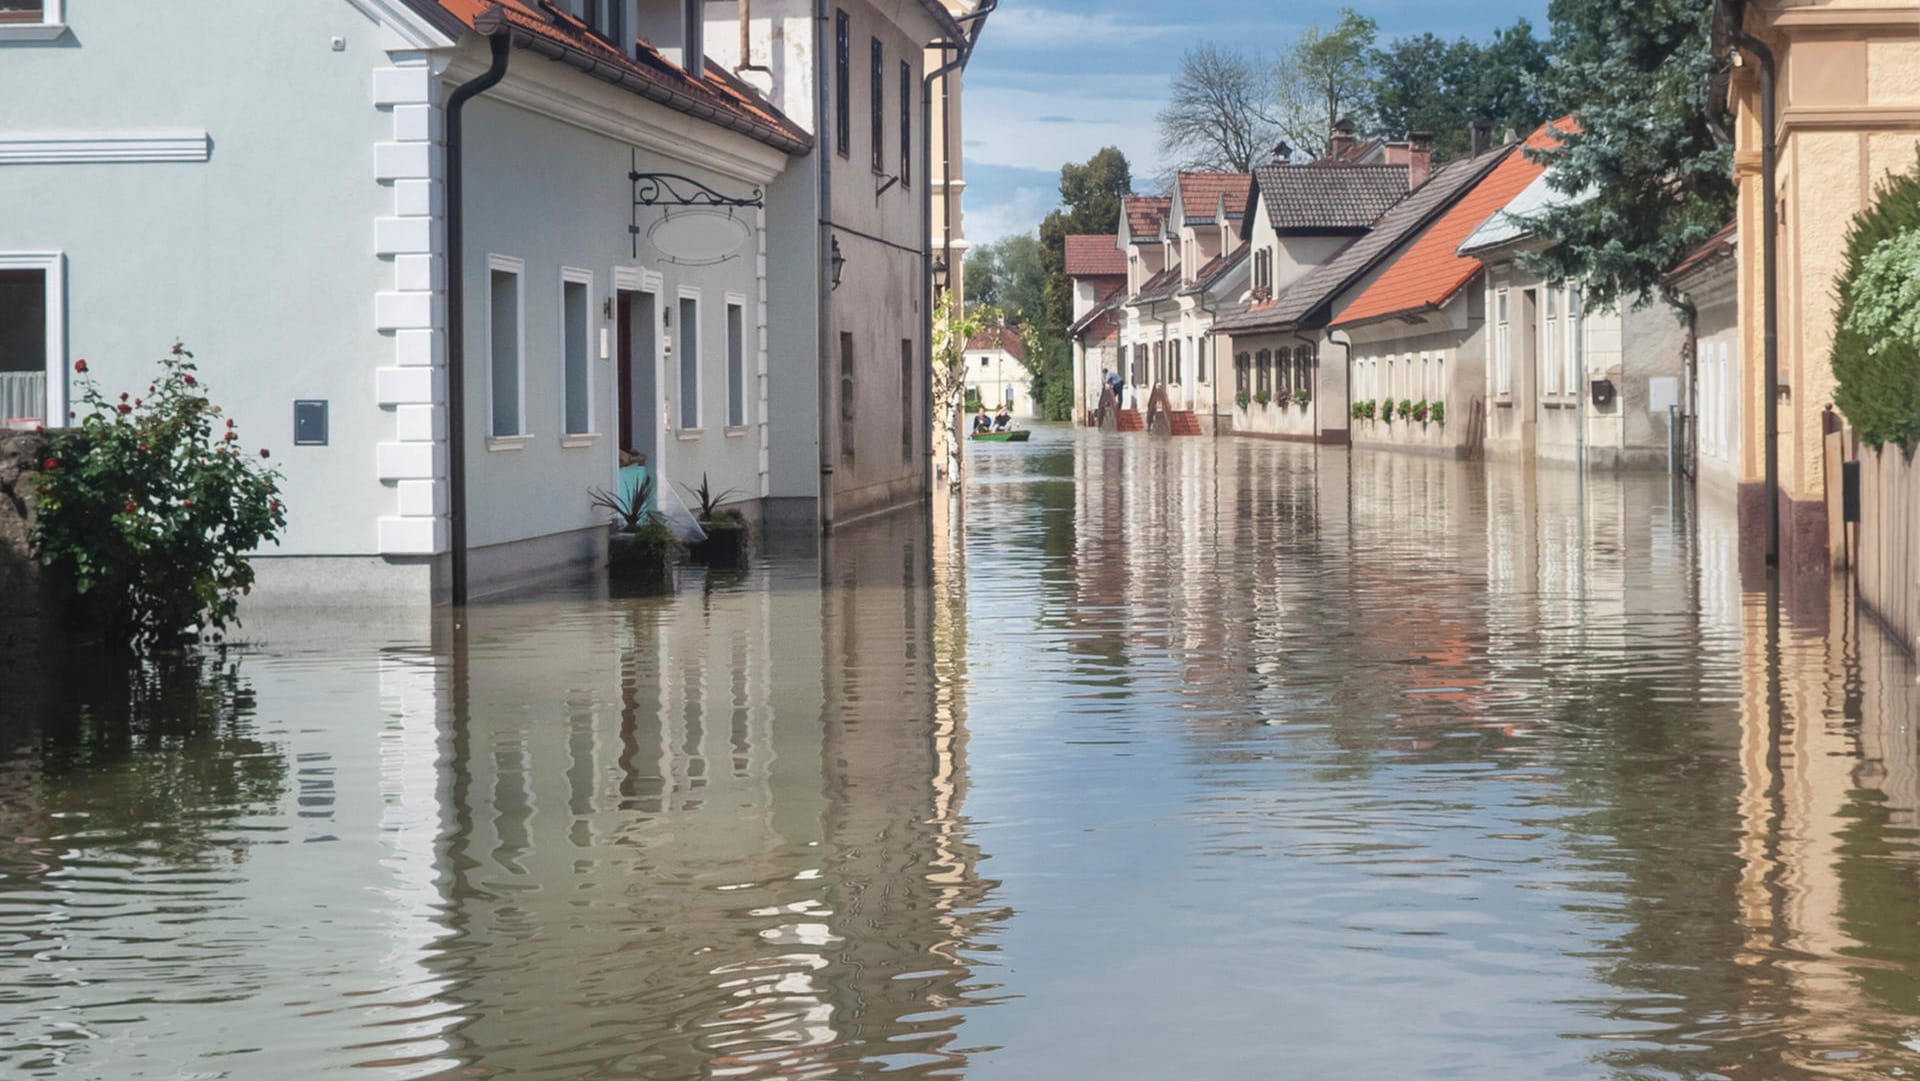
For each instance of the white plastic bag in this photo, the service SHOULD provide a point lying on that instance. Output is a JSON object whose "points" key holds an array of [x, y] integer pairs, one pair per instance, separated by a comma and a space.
{"points": [[672, 511]]}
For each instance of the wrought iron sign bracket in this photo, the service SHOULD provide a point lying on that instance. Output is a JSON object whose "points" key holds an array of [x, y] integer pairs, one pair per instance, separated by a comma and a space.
{"points": [[674, 190]]}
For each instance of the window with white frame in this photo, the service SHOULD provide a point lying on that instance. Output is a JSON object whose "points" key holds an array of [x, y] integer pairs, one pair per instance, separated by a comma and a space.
{"points": [[1575, 343], [32, 338], [32, 20], [576, 349], [1550, 370], [689, 363], [736, 364], [506, 370], [1502, 346], [1439, 378]]}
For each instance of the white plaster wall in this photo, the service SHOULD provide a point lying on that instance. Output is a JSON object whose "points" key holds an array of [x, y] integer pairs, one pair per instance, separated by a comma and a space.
{"points": [[1395, 360], [572, 211], [262, 258]]}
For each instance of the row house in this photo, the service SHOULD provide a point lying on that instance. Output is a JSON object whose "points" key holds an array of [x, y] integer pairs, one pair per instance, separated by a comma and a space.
{"points": [[1097, 267], [1705, 281], [1317, 233], [1153, 275], [645, 243], [1416, 339], [1566, 382]]}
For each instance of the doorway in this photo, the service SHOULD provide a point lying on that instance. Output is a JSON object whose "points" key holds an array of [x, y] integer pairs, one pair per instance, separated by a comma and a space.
{"points": [[638, 376]]}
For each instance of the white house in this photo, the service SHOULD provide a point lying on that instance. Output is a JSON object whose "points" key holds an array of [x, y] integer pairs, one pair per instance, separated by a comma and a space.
{"points": [[1706, 279], [637, 255], [997, 374]]}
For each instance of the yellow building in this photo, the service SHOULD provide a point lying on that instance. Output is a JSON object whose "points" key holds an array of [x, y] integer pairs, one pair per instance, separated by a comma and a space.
{"points": [[1847, 98], [949, 180]]}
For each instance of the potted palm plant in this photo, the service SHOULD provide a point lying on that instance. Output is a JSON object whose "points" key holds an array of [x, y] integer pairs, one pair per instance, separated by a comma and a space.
{"points": [[641, 552], [726, 543]]}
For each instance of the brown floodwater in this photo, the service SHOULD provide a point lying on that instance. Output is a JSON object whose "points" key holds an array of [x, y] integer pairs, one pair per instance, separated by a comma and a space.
{"points": [[1166, 759]]}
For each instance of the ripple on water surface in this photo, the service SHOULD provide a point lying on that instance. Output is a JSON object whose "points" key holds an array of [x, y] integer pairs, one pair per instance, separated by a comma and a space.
{"points": [[1168, 758]]}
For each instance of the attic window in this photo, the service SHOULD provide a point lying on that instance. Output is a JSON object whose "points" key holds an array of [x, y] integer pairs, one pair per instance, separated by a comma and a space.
{"points": [[607, 17], [32, 20]]}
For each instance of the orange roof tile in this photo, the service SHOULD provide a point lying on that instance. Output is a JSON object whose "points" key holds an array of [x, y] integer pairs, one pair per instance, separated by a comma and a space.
{"points": [[1005, 339], [1147, 213], [1095, 256], [1200, 193], [1431, 271]]}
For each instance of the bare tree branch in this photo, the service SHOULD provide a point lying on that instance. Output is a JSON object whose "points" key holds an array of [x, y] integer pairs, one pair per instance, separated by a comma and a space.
{"points": [[1218, 116]]}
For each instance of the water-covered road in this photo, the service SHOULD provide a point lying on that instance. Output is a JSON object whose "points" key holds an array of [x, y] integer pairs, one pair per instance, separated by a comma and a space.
{"points": [[1186, 759]]}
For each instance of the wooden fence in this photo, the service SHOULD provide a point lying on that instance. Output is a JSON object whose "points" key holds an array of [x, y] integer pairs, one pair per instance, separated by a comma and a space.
{"points": [[1887, 564]]}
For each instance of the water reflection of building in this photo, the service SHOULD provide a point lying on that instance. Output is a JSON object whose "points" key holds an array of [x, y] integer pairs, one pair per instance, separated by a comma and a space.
{"points": [[715, 836]]}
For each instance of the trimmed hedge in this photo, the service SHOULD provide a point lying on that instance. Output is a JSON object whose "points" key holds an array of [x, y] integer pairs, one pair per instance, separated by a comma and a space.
{"points": [[1876, 345]]}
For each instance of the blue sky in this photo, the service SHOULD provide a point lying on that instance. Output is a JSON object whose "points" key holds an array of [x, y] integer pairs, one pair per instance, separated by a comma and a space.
{"points": [[1055, 80]]}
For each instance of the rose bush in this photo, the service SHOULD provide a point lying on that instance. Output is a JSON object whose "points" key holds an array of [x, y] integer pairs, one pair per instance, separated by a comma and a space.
{"points": [[150, 508]]}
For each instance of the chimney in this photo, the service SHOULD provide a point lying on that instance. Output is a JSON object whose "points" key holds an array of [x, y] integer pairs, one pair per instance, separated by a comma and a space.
{"points": [[1341, 146], [1282, 153], [1419, 158], [1482, 136]]}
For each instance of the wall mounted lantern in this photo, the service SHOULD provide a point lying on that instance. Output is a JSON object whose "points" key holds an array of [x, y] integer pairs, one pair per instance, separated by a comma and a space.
{"points": [[939, 275], [839, 262]]}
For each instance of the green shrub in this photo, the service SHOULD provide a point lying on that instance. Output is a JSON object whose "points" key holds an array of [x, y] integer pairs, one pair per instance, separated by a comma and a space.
{"points": [[150, 508], [1876, 345], [1242, 399], [1262, 397], [1437, 412]]}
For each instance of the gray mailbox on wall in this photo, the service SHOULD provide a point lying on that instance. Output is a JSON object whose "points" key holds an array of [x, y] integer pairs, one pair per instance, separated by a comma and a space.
{"points": [[310, 423]]}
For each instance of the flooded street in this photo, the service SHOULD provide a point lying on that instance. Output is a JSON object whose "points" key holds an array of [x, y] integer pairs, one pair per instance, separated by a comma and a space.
{"points": [[1172, 766]]}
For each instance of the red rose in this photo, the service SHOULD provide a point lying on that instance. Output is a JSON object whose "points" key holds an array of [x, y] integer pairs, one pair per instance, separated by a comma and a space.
{"points": [[125, 409], [229, 422], [136, 401], [50, 463], [131, 508], [276, 506], [231, 436], [263, 452], [189, 380], [80, 365], [123, 395], [186, 502], [143, 446]]}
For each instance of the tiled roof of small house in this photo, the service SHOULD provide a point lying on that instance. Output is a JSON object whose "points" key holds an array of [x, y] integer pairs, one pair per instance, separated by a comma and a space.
{"points": [[1102, 321], [1002, 339], [1146, 215], [1200, 195], [1161, 286], [1215, 269], [1327, 198], [1302, 303], [1718, 247], [540, 27], [1432, 270], [1094, 255]]}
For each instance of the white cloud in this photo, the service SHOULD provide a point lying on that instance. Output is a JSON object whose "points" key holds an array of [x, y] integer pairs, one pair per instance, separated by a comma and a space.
{"points": [[1041, 129], [1022, 26], [1015, 211]]}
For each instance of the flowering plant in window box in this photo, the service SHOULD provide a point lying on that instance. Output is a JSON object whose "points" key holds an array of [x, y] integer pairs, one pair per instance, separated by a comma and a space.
{"points": [[1405, 407], [1262, 397], [1283, 397], [1302, 399], [1369, 408], [1420, 411], [1242, 399], [1386, 410], [1437, 412]]}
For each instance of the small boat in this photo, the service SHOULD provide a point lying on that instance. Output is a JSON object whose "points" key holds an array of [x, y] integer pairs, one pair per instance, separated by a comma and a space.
{"points": [[1017, 435]]}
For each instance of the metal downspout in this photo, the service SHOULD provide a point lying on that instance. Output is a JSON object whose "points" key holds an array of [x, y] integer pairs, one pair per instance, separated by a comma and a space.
{"points": [[501, 47], [1769, 261], [829, 421]]}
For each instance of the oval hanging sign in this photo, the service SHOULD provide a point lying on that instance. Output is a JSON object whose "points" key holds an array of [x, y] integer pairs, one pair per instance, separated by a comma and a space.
{"points": [[699, 237]]}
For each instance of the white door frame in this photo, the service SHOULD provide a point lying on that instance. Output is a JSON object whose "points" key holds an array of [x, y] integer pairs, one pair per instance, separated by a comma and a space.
{"points": [[54, 265]]}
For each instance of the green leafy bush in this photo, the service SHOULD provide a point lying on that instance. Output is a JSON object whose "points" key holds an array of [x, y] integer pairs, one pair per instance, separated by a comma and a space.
{"points": [[1262, 397], [1302, 398], [1437, 412], [150, 508], [1419, 411], [1876, 345], [1242, 399]]}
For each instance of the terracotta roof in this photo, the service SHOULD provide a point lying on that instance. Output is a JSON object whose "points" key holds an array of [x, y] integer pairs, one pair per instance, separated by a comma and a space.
{"points": [[1429, 273], [1215, 269], [1717, 247], [1004, 339], [1146, 214], [1327, 198], [542, 28], [1159, 287], [1200, 194], [1303, 303], [1095, 255]]}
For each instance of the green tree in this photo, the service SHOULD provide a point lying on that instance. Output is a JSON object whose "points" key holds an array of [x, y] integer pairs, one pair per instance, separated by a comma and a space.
{"points": [[1876, 342], [1010, 274], [1441, 87], [1325, 76], [1090, 200], [1218, 116], [1650, 152]]}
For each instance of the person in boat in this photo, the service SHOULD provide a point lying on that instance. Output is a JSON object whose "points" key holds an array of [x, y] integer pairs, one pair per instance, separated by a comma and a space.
{"points": [[1002, 420], [981, 423]]}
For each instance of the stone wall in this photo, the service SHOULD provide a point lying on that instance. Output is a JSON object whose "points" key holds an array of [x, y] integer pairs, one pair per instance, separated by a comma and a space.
{"points": [[23, 595]]}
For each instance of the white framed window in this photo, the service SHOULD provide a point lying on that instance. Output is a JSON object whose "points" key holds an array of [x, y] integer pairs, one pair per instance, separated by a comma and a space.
{"points": [[1502, 345], [1575, 329], [32, 20], [506, 347], [736, 361], [1439, 378], [1550, 370], [576, 350], [688, 343], [33, 338]]}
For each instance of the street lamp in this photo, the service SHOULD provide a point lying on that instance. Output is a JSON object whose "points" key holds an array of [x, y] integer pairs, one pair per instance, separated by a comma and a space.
{"points": [[939, 275], [839, 262]]}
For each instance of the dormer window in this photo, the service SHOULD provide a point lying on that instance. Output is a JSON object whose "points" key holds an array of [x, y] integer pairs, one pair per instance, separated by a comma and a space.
{"points": [[608, 18], [32, 20]]}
